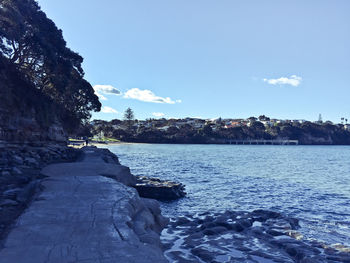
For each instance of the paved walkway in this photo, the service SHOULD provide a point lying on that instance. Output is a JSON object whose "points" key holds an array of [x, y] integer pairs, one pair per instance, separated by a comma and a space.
{"points": [[79, 217]]}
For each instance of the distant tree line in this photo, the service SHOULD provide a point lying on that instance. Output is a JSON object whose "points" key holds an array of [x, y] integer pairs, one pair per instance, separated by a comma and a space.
{"points": [[305, 133]]}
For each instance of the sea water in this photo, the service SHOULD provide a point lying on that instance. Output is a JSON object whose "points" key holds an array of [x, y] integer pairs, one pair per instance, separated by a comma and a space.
{"points": [[311, 183]]}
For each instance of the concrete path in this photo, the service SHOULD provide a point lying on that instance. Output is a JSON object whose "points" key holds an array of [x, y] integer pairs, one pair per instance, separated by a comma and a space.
{"points": [[80, 216]]}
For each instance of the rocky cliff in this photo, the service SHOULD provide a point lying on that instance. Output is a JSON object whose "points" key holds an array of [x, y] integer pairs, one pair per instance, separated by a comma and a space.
{"points": [[26, 115]]}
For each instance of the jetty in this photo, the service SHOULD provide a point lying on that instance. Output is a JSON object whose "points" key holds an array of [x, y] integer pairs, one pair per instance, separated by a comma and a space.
{"points": [[262, 142]]}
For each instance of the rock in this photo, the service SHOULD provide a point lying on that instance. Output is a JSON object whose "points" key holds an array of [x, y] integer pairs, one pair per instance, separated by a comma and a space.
{"points": [[237, 227], [265, 214], [27, 193], [17, 159], [159, 189], [119, 173], [273, 232], [8, 202], [5, 173], [245, 223], [3, 161], [205, 255], [181, 221], [214, 230], [16, 171], [31, 162], [12, 193]]}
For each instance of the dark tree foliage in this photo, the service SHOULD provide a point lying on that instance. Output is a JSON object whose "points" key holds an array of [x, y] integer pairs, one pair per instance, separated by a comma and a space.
{"points": [[33, 43], [129, 117]]}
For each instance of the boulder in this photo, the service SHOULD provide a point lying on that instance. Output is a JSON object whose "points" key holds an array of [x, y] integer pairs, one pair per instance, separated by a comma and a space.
{"points": [[159, 189]]}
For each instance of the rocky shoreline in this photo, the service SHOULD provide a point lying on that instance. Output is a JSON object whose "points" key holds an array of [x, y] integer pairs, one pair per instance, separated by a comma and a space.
{"points": [[20, 175], [88, 210], [28, 182], [260, 236]]}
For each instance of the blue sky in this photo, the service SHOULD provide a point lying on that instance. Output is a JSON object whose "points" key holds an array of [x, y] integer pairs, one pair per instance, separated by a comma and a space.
{"points": [[201, 58]]}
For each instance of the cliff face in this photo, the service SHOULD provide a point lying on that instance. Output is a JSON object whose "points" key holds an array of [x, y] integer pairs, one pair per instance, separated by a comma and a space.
{"points": [[25, 113]]}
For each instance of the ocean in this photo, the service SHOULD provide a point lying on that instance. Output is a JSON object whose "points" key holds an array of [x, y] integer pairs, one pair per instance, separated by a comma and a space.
{"points": [[311, 183]]}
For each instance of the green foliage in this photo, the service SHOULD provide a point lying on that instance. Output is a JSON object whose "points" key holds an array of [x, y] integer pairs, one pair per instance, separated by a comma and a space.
{"points": [[35, 46]]}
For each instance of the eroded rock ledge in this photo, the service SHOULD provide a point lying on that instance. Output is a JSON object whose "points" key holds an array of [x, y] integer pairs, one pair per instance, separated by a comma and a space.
{"points": [[260, 236], [87, 213]]}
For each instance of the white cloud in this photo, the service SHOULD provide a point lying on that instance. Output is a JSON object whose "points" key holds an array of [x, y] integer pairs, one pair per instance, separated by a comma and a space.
{"points": [[105, 89], [158, 114], [147, 96], [294, 80], [106, 109]]}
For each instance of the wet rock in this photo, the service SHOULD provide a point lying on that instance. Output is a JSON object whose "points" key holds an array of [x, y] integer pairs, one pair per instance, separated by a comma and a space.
{"points": [[274, 232], [181, 221], [245, 223], [203, 254], [159, 189], [196, 235], [237, 227], [214, 230], [265, 214], [294, 223]]}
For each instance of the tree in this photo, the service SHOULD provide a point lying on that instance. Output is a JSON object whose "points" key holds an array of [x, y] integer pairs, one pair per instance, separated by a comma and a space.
{"points": [[129, 118], [33, 44]]}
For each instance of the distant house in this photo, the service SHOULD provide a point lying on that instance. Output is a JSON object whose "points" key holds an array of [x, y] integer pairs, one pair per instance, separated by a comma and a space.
{"points": [[233, 124], [164, 128], [267, 123]]}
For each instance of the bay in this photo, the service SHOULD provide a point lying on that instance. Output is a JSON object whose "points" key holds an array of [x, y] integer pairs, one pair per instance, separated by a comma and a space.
{"points": [[310, 183]]}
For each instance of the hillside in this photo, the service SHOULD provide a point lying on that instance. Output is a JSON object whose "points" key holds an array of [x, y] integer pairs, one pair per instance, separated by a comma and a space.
{"points": [[220, 131]]}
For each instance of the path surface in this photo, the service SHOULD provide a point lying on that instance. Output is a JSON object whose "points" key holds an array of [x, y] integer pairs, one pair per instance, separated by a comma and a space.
{"points": [[81, 216]]}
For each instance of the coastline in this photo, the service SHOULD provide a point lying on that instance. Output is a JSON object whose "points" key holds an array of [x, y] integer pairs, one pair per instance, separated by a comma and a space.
{"points": [[136, 228], [131, 233]]}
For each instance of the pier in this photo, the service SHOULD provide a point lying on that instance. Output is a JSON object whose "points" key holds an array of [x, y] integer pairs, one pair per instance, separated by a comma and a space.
{"points": [[263, 142]]}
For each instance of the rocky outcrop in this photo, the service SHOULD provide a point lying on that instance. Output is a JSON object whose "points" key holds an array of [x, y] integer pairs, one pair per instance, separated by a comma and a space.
{"points": [[238, 236], [85, 213], [159, 189]]}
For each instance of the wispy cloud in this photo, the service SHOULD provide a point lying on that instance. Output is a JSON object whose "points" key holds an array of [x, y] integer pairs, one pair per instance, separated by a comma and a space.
{"points": [[106, 109], [293, 80], [147, 96], [158, 114], [105, 89]]}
